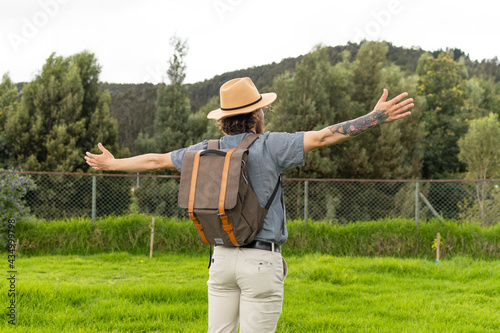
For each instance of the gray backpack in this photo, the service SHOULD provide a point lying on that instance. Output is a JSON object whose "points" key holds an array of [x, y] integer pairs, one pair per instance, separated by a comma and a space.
{"points": [[220, 201]]}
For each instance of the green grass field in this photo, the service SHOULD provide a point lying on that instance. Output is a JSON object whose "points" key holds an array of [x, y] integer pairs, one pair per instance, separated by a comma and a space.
{"points": [[120, 292]]}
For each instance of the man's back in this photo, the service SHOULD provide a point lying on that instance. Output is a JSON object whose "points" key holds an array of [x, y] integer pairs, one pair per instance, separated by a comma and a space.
{"points": [[268, 157]]}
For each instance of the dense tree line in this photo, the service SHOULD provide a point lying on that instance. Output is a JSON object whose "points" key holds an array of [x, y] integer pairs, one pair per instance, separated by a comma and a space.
{"points": [[47, 124]]}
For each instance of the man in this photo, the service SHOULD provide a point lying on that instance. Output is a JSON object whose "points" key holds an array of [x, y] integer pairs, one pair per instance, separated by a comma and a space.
{"points": [[246, 283]]}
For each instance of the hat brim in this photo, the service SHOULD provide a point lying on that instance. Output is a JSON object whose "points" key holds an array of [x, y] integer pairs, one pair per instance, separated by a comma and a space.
{"points": [[267, 99]]}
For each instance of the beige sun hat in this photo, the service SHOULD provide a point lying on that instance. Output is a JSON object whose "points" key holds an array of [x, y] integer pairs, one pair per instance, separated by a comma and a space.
{"points": [[239, 96]]}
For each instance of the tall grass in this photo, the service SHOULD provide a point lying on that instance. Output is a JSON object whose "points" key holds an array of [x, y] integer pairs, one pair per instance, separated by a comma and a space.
{"points": [[395, 238], [111, 234], [389, 237]]}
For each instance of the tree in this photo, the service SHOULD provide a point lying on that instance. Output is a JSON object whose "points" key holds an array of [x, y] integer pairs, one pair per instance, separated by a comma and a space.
{"points": [[174, 128], [475, 98], [370, 62], [399, 147], [8, 104], [483, 97], [480, 151], [480, 147], [172, 107], [396, 149], [441, 81], [63, 114]]}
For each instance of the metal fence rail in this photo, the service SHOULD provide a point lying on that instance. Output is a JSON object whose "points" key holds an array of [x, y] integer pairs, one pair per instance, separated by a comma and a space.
{"points": [[61, 195]]}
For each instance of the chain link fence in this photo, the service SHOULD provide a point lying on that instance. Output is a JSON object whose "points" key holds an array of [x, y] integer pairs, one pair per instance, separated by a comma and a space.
{"points": [[63, 195]]}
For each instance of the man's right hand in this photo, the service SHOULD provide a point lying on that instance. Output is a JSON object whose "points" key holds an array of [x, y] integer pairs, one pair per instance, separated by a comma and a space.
{"points": [[103, 161]]}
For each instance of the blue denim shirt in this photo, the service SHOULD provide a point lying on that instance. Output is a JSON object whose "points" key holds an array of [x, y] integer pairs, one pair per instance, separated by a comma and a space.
{"points": [[268, 157]]}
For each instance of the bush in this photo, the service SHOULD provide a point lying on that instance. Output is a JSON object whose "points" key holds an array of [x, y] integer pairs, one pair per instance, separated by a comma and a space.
{"points": [[13, 189]]}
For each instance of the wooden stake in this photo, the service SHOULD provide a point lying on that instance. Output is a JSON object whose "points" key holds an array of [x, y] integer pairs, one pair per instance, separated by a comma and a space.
{"points": [[152, 238], [438, 252]]}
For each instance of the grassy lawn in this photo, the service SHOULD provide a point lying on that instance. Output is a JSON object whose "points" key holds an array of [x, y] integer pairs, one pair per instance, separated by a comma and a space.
{"points": [[119, 292]]}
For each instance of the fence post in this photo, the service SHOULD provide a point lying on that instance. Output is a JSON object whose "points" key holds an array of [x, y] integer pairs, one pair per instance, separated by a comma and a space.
{"points": [[417, 190], [152, 238], [306, 201], [438, 250], [93, 198], [137, 181]]}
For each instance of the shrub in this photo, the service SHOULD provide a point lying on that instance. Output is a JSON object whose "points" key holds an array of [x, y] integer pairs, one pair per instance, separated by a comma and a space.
{"points": [[13, 189]]}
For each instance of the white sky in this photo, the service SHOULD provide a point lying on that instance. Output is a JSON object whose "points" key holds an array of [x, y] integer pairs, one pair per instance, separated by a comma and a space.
{"points": [[130, 38]]}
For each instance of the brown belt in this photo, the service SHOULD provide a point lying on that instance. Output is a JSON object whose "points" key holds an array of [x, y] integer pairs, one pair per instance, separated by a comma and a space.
{"points": [[260, 245]]}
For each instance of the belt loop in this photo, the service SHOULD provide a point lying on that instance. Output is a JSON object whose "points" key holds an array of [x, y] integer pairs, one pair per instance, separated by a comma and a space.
{"points": [[272, 247]]}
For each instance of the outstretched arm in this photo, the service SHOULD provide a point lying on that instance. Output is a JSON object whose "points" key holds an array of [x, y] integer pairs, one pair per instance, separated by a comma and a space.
{"points": [[384, 112], [146, 162]]}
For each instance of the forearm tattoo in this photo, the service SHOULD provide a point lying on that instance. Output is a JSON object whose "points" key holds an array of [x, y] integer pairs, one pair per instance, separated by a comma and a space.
{"points": [[361, 124]]}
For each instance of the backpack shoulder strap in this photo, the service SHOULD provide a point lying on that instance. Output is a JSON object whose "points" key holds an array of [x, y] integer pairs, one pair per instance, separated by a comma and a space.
{"points": [[247, 141], [245, 144], [271, 199], [213, 144]]}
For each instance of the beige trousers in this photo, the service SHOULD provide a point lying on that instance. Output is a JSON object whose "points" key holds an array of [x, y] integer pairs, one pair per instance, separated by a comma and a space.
{"points": [[246, 287]]}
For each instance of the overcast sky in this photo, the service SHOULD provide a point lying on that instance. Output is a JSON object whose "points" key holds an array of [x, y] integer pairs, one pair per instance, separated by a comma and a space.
{"points": [[130, 38]]}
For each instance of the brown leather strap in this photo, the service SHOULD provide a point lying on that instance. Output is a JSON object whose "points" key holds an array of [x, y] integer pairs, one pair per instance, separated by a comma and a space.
{"points": [[192, 192], [226, 225], [247, 141]]}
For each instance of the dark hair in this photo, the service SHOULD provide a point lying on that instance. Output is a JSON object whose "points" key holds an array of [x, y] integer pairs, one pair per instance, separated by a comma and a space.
{"points": [[241, 123]]}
